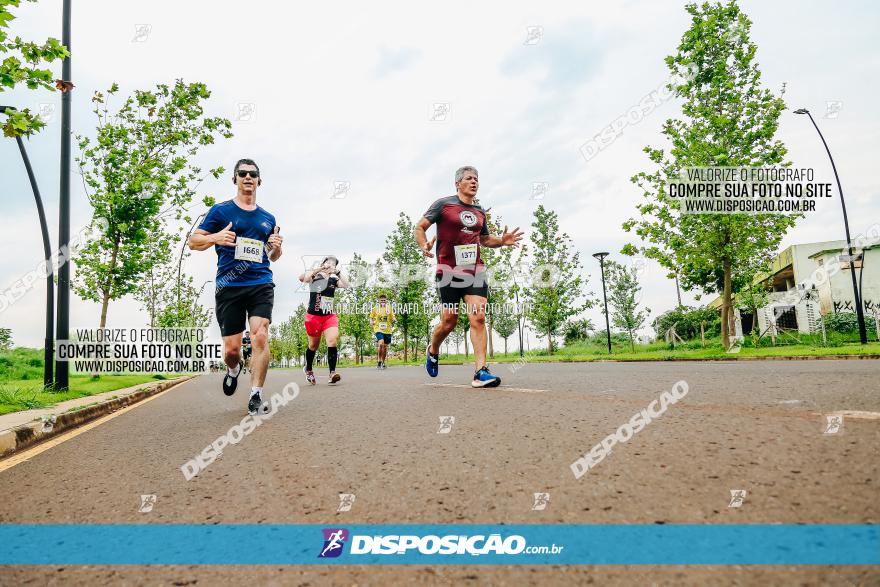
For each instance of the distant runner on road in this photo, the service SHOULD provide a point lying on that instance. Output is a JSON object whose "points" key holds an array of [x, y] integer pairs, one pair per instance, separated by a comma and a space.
{"points": [[382, 319], [320, 316], [246, 239], [246, 348], [461, 231]]}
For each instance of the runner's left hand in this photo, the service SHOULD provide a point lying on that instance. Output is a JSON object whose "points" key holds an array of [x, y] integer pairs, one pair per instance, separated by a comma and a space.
{"points": [[511, 238], [275, 239]]}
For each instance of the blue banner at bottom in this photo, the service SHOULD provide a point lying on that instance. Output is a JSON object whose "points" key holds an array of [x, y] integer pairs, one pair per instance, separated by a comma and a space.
{"points": [[357, 544]]}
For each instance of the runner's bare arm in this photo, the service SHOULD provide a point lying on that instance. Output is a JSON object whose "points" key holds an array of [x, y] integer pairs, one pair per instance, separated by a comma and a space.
{"points": [[507, 239], [309, 274], [422, 238], [343, 281], [200, 239]]}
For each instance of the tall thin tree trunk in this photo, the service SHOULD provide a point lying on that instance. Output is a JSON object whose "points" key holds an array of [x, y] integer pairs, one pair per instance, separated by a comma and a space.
{"points": [[725, 305], [406, 345], [549, 343], [108, 290]]}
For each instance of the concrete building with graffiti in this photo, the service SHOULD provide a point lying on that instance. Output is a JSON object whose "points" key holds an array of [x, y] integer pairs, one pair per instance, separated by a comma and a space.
{"points": [[808, 281]]}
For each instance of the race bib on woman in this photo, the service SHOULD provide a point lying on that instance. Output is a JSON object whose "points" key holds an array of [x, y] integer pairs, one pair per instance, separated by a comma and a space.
{"points": [[326, 304]]}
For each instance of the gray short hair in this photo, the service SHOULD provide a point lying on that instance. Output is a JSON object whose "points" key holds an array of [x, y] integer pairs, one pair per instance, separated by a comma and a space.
{"points": [[459, 173]]}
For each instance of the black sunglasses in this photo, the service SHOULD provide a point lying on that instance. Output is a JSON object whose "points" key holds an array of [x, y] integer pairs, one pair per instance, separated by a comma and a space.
{"points": [[243, 173]]}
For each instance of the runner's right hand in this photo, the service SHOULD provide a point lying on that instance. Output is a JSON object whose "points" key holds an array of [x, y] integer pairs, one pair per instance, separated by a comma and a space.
{"points": [[429, 245], [225, 236]]}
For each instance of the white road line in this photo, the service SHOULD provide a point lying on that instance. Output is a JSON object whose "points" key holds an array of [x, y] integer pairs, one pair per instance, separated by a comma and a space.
{"points": [[29, 453], [516, 389], [859, 415]]}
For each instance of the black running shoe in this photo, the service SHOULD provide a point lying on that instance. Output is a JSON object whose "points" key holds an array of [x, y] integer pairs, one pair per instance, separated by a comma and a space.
{"points": [[230, 382], [255, 405]]}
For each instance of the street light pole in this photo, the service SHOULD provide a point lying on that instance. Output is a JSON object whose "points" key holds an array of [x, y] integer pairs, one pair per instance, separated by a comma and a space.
{"points": [[48, 341], [62, 373], [601, 257], [180, 261], [860, 314]]}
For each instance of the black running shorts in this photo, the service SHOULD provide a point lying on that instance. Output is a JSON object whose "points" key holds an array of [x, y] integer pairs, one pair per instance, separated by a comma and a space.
{"points": [[234, 305], [453, 290]]}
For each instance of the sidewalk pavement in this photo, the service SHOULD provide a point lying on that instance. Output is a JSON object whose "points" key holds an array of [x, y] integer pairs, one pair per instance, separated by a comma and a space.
{"points": [[21, 429]]}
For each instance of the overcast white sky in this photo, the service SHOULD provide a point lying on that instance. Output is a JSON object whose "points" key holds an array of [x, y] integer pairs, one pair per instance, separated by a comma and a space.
{"points": [[344, 92]]}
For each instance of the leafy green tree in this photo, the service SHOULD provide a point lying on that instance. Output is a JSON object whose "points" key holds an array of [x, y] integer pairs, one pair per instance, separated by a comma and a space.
{"points": [[554, 294], [20, 64], [456, 337], [180, 306], [276, 347], [686, 320], [503, 288], [623, 295], [354, 322], [5, 339], [138, 176], [289, 338], [843, 322], [727, 120], [578, 330], [504, 322], [497, 261], [408, 269], [513, 260], [751, 298]]}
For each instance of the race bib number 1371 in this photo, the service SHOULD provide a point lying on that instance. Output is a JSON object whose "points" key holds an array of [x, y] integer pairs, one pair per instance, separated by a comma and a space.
{"points": [[466, 255]]}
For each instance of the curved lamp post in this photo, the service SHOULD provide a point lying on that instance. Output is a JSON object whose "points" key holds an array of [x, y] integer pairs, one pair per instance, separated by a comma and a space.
{"points": [[49, 342], [860, 314]]}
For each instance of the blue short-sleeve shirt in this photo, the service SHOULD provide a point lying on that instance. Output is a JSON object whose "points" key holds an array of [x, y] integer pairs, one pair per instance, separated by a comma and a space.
{"points": [[254, 224]]}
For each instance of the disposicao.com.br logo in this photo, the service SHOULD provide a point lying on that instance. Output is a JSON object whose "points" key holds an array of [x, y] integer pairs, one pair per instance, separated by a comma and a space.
{"points": [[494, 544]]}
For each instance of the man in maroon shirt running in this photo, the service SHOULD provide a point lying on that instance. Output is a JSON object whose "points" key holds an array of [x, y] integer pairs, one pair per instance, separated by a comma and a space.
{"points": [[461, 274]]}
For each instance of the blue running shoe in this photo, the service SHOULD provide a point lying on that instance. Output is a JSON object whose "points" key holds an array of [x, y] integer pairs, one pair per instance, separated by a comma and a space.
{"points": [[483, 378], [432, 363]]}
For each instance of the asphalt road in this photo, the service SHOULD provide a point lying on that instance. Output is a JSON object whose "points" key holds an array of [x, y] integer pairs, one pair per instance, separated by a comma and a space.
{"points": [[756, 426]]}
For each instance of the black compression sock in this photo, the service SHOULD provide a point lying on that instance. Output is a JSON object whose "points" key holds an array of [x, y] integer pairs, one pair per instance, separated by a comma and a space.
{"points": [[310, 358], [331, 358]]}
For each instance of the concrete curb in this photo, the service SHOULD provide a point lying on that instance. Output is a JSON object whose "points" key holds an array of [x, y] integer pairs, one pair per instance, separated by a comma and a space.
{"points": [[733, 358], [673, 359], [26, 435]]}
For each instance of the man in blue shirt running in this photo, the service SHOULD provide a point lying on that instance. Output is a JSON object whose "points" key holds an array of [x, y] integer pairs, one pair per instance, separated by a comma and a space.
{"points": [[246, 239]]}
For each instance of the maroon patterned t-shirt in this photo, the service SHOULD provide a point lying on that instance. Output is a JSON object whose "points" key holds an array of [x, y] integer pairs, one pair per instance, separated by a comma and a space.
{"points": [[459, 227]]}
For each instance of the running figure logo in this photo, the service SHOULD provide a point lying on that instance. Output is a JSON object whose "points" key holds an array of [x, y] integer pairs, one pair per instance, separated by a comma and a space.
{"points": [[334, 541], [346, 500], [439, 112], [737, 497], [49, 423], [541, 501], [446, 423], [833, 424], [147, 503]]}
